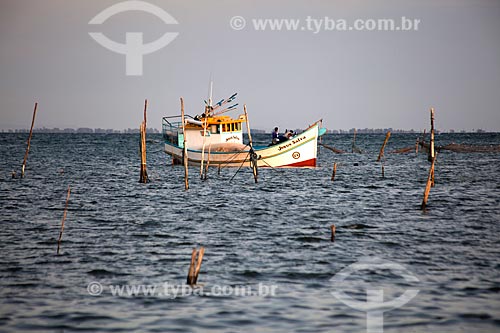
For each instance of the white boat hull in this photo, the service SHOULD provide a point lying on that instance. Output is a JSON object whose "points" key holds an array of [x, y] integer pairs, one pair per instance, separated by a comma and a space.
{"points": [[299, 151]]}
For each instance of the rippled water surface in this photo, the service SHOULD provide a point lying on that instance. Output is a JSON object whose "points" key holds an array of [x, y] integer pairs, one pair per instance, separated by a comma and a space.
{"points": [[274, 233]]}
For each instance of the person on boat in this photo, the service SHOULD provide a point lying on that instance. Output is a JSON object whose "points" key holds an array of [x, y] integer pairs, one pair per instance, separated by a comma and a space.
{"points": [[286, 136], [276, 136]]}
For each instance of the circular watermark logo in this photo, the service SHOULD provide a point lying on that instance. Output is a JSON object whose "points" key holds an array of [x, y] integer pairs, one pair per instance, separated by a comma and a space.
{"points": [[94, 288], [237, 22], [373, 304], [134, 48]]}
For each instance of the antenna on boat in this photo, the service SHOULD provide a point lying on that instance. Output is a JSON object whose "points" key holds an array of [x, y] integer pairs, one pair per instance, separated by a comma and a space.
{"points": [[210, 91]]}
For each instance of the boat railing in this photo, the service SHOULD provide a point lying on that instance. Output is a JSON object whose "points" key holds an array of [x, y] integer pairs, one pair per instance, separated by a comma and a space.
{"points": [[172, 127], [168, 120]]}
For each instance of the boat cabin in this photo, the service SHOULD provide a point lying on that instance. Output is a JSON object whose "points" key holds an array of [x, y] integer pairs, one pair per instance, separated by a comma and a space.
{"points": [[219, 130]]}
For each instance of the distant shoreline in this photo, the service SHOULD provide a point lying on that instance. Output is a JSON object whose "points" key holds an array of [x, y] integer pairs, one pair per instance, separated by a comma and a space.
{"points": [[256, 131]]}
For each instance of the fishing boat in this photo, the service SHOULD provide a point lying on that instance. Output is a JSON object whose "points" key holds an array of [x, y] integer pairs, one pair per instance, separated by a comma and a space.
{"points": [[217, 140]]}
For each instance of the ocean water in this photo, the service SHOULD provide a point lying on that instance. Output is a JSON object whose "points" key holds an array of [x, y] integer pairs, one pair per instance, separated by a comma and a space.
{"points": [[270, 239]]}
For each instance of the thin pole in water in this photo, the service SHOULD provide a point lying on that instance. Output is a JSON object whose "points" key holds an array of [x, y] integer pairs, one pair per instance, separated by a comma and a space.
{"points": [[29, 141], [204, 125], [429, 184], [381, 153], [431, 143], [253, 155], [144, 173], [334, 171], [195, 266], [184, 151], [62, 222]]}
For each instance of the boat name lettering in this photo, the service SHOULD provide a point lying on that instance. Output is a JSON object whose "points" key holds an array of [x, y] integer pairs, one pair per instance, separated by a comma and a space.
{"points": [[234, 137], [298, 139], [289, 144]]}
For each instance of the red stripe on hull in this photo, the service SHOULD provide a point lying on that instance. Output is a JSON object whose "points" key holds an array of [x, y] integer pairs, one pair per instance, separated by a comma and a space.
{"points": [[308, 163]]}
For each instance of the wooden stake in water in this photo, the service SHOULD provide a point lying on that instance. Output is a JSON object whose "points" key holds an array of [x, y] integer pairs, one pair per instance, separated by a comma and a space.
{"points": [[29, 141], [195, 266], [62, 222], [432, 176], [184, 151], [381, 153], [416, 147], [204, 124], [428, 185], [334, 171], [144, 173], [332, 228], [431, 143], [253, 155]]}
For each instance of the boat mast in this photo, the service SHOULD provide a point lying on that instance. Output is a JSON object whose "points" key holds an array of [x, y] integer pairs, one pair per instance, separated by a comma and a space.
{"points": [[210, 95], [208, 109]]}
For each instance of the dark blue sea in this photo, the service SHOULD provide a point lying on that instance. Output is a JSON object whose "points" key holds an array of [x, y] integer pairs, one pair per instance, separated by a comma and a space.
{"points": [[269, 263]]}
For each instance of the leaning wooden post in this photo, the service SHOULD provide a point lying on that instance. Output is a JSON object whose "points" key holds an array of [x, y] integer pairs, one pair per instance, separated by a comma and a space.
{"points": [[431, 143], [190, 277], [144, 173], [381, 153], [195, 266], [198, 264], [29, 141], [253, 158], [432, 175], [334, 171], [184, 151], [62, 222], [428, 184]]}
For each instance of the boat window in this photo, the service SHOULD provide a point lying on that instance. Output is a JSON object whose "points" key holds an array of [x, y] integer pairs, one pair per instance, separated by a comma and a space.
{"points": [[232, 127], [213, 129], [223, 127]]}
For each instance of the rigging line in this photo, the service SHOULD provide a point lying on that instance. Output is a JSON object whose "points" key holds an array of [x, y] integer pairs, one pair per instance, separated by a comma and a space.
{"points": [[241, 165], [226, 162], [229, 160]]}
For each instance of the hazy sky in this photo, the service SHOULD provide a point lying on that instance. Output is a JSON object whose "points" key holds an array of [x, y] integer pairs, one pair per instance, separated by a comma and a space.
{"points": [[287, 78]]}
